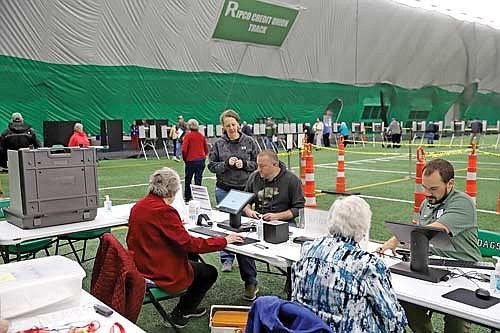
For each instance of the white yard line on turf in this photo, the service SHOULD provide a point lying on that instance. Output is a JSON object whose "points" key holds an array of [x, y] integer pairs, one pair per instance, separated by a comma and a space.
{"points": [[411, 202]]}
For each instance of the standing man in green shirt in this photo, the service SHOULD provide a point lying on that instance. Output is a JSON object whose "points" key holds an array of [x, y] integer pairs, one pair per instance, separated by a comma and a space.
{"points": [[451, 210]]}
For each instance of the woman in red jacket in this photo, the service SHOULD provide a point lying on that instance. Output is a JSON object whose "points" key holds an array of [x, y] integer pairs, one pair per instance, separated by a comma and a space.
{"points": [[194, 153], [161, 245], [79, 138]]}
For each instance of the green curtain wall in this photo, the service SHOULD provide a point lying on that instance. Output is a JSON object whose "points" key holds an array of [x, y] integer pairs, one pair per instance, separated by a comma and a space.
{"points": [[44, 91]]}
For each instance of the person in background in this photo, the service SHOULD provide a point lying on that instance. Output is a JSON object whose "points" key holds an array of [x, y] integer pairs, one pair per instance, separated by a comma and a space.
{"points": [[160, 245], [430, 132], [318, 132], [181, 131], [278, 196], [134, 136], [16, 135], [476, 128], [446, 208], [233, 157], [344, 131], [173, 136], [4, 326], [326, 134], [394, 131], [339, 280], [246, 129], [194, 153], [79, 138], [308, 132], [270, 134]]}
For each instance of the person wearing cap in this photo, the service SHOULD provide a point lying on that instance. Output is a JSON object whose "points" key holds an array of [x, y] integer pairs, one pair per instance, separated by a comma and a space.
{"points": [[181, 131], [79, 138], [17, 135]]}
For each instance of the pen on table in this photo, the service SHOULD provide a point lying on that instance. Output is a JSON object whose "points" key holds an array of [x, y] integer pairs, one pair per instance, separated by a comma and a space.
{"points": [[261, 246]]}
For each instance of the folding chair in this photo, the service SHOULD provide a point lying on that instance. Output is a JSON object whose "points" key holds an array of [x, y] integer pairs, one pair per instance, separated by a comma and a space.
{"points": [[113, 262], [154, 295], [80, 236], [25, 250]]}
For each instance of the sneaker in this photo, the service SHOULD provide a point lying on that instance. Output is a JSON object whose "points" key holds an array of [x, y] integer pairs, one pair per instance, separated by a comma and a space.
{"points": [[196, 313], [176, 159], [227, 266], [250, 293], [177, 318]]}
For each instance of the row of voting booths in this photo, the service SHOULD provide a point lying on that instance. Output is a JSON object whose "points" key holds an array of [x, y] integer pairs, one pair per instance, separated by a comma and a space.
{"points": [[155, 134]]}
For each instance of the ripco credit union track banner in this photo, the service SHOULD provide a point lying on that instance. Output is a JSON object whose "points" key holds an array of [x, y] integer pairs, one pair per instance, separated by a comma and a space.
{"points": [[256, 22]]}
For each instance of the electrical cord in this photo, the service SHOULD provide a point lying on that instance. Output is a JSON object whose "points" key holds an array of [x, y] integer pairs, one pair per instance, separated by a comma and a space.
{"points": [[471, 276]]}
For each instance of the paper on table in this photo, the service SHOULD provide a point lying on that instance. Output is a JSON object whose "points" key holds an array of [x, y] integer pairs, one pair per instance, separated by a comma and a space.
{"points": [[316, 222], [75, 316], [200, 194]]}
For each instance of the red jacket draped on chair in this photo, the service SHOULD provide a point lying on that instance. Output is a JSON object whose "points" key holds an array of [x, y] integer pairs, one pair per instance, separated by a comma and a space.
{"points": [[116, 280]]}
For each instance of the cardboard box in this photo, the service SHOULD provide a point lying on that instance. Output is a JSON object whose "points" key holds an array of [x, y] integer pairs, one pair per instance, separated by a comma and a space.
{"points": [[228, 318], [42, 285]]}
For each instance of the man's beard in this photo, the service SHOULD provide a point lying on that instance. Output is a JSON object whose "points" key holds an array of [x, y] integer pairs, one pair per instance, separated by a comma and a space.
{"points": [[435, 201]]}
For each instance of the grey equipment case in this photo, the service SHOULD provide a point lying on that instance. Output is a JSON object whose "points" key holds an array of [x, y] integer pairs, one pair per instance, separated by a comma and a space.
{"points": [[52, 186]]}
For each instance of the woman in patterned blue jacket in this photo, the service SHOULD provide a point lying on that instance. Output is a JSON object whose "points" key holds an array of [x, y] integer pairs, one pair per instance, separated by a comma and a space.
{"points": [[346, 286]]}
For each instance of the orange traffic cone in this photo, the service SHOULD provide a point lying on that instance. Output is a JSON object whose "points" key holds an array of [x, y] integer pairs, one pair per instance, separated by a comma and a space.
{"points": [[470, 182], [498, 208], [340, 167], [309, 186], [419, 189]]}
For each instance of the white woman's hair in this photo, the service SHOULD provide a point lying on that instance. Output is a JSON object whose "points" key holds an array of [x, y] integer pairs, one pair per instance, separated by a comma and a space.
{"points": [[78, 126], [164, 183], [193, 124], [351, 217]]}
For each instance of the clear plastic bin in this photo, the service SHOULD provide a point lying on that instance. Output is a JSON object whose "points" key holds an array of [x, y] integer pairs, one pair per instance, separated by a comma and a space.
{"points": [[38, 286]]}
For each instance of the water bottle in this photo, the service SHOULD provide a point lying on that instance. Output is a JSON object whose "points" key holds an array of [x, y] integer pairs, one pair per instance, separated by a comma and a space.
{"points": [[495, 277], [107, 204], [260, 230], [194, 210]]}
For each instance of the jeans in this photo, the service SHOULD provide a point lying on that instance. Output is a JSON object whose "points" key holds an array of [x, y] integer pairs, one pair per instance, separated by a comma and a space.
{"points": [[271, 145], [178, 147], [195, 168], [326, 140], [204, 277], [224, 256], [430, 138], [174, 141]]}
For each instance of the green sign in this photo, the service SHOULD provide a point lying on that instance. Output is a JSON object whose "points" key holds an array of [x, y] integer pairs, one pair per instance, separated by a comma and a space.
{"points": [[252, 21]]}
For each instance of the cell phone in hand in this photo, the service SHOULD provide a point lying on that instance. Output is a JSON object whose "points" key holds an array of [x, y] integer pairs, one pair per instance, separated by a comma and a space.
{"points": [[102, 310]]}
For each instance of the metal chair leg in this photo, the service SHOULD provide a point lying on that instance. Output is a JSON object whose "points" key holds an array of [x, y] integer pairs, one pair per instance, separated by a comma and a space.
{"points": [[162, 311], [83, 250], [57, 246], [74, 252]]}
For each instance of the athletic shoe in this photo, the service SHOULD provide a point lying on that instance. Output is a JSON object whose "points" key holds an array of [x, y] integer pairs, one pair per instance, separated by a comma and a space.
{"points": [[196, 313], [177, 318], [250, 293], [227, 266]]}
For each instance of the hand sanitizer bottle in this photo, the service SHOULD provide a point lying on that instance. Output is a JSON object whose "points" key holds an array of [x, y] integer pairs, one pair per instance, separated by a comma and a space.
{"points": [[495, 277], [107, 204], [260, 229]]}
